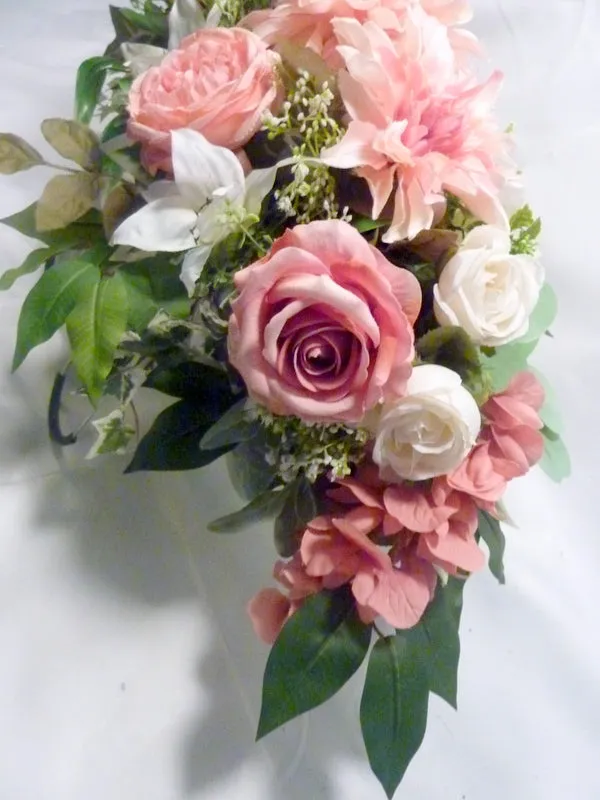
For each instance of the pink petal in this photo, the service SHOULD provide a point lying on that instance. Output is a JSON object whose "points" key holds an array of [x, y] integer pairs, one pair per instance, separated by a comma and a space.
{"points": [[413, 508], [268, 611]]}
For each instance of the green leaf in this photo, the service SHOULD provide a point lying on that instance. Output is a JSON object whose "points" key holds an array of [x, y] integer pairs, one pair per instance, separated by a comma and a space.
{"points": [[154, 284], [33, 261], [365, 224], [451, 347], [231, 429], [16, 155], [152, 21], [299, 508], [394, 705], [83, 233], [505, 362], [65, 199], [555, 462], [249, 472], [192, 381], [50, 302], [490, 531], [440, 623], [318, 650], [88, 88], [72, 140], [173, 441], [549, 413], [95, 327], [543, 315], [266, 505]]}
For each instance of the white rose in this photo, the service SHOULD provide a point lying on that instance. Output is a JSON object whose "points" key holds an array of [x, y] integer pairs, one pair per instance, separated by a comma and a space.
{"points": [[486, 290], [430, 430]]}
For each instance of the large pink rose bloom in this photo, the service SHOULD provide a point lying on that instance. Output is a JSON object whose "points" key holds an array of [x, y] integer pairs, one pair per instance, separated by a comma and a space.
{"points": [[322, 328], [309, 23], [219, 82], [418, 126]]}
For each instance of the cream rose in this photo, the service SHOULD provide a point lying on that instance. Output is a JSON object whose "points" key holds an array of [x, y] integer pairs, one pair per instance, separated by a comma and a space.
{"points": [[486, 290], [430, 430]]}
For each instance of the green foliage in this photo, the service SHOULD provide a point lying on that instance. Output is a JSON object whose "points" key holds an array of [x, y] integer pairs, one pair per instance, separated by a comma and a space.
{"points": [[525, 231], [50, 302], [543, 315], [451, 347], [82, 234], [16, 155], [95, 327], [249, 471], [91, 77], [555, 462], [188, 380], [394, 705], [501, 364], [232, 428], [153, 284], [265, 505], [33, 261], [299, 508], [549, 413], [318, 650], [147, 27], [114, 434], [490, 531], [173, 441], [402, 670]]}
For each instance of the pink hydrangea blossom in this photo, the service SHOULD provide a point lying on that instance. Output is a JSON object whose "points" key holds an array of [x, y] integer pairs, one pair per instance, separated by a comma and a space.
{"points": [[419, 127]]}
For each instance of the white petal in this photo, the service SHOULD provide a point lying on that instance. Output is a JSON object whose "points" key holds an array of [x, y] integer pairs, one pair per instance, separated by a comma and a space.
{"points": [[164, 225], [258, 185], [185, 17], [201, 168], [140, 57], [158, 190], [193, 264]]}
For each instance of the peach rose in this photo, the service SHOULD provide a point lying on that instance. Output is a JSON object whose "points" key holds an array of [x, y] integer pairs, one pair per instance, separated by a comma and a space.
{"points": [[322, 328], [220, 81]]}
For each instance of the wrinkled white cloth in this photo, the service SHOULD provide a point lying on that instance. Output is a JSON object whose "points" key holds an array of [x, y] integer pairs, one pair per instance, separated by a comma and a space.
{"points": [[128, 669]]}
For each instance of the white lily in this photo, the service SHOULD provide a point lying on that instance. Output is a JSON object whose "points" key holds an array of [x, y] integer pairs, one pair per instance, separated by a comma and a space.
{"points": [[209, 199], [185, 17]]}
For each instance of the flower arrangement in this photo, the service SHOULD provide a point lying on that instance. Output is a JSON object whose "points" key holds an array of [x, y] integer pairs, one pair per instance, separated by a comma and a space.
{"points": [[298, 222]]}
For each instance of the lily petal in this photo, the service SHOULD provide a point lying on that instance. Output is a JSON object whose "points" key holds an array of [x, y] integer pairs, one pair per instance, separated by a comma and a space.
{"points": [[202, 168], [258, 185], [164, 225], [193, 264]]}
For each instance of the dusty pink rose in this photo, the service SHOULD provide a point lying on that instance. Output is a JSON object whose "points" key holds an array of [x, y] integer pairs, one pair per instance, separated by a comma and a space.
{"points": [[513, 435], [309, 23], [322, 328], [220, 81], [418, 127]]}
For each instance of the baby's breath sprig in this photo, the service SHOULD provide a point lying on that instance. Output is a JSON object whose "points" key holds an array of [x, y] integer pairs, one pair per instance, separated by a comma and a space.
{"points": [[296, 447], [308, 124]]}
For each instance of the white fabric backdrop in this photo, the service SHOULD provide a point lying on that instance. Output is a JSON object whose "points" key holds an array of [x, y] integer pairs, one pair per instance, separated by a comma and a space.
{"points": [[127, 667]]}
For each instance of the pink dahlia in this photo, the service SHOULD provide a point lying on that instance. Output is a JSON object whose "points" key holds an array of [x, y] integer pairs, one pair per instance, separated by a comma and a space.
{"points": [[418, 126]]}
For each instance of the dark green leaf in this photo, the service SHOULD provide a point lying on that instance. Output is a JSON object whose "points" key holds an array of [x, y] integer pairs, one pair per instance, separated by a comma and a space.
{"points": [[490, 531], [318, 650], [451, 347], [152, 21], [441, 622], [88, 88], [248, 469], [95, 327], [50, 302], [233, 428], [192, 381], [173, 441], [394, 705], [299, 508], [264, 506], [153, 284]]}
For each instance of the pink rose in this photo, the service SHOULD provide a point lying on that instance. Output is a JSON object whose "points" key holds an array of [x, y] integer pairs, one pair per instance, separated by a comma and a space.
{"points": [[322, 328], [220, 81]]}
